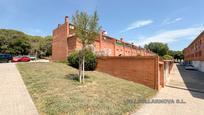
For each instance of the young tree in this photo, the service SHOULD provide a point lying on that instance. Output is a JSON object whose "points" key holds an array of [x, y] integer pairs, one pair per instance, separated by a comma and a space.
{"points": [[87, 30]]}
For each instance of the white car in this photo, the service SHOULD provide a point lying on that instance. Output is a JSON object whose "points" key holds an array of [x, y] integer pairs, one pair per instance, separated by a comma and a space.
{"points": [[190, 67]]}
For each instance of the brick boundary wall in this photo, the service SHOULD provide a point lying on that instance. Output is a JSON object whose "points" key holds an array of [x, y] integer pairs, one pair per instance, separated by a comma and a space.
{"points": [[147, 70], [171, 63]]}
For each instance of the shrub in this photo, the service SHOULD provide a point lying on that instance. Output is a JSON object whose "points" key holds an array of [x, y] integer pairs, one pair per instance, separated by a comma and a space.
{"points": [[73, 59], [167, 57], [90, 60]]}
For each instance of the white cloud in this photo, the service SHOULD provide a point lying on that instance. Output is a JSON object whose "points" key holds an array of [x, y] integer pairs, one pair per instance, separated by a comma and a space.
{"points": [[171, 21], [178, 19], [171, 36], [138, 24]]}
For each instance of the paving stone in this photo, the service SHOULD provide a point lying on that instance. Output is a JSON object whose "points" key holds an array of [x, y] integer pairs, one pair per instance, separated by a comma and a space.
{"points": [[194, 101], [14, 97]]}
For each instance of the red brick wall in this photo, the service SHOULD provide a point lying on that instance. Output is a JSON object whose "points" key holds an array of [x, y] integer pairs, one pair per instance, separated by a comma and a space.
{"points": [[97, 46], [118, 50], [195, 51], [71, 41], [64, 42], [140, 69], [108, 44], [59, 42]]}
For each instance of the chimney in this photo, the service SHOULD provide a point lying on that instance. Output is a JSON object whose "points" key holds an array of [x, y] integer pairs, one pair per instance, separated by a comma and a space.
{"points": [[121, 39], [59, 25], [66, 19]]}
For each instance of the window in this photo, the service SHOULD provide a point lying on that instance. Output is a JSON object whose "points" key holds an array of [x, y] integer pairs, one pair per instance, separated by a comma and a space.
{"points": [[200, 53], [71, 27]]}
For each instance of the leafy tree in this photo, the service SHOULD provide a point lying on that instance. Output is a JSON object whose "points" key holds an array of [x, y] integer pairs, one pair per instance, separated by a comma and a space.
{"points": [[167, 57], [19, 46], [41, 46], [171, 53], [17, 43], [159, 48], [35, 45], [46, 46], [87, 29], [13, 42], [177, 55]]}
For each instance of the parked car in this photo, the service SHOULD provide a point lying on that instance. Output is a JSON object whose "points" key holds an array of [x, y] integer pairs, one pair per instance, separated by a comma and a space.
{"points": [[5, 58], [32, 57], [21, 59], [190, 67]]}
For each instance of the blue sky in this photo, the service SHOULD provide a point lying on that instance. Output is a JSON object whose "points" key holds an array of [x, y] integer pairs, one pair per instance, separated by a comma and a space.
{"points": [[176, 22]]}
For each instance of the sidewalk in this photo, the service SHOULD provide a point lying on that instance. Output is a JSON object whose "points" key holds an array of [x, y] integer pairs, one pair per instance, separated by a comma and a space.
{"points": [[192, 105], [14, 97]]}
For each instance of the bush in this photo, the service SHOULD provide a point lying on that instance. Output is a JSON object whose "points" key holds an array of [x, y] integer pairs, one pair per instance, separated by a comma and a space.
{"points": [[90, 60], [167, 57], [73, 59]]}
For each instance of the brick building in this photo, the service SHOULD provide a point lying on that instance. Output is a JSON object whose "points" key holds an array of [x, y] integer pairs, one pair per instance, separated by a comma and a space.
{"points": [[194, 53], [65, 42]]}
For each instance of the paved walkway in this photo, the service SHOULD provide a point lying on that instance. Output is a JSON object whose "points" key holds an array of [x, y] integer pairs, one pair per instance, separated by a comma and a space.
{"points": [[14, 97], [178, 88]]}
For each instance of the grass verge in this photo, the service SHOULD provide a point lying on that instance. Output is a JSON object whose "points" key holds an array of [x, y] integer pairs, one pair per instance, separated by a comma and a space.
{"points": [[56, 91]]}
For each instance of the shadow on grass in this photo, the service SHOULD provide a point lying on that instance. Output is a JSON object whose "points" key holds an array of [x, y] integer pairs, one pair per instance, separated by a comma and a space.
{"points": [[75, 77]]}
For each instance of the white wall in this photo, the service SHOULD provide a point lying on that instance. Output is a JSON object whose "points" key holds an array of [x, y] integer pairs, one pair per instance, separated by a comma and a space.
{"points": [[199, 65], [202, 66], [166, 71]]}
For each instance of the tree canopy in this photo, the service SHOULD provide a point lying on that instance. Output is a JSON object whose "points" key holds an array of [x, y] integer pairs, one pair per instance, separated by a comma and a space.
{"points": [[18, 43], [159, 48], [178, 55], [167, 57], [87, 27], [163, 51]]}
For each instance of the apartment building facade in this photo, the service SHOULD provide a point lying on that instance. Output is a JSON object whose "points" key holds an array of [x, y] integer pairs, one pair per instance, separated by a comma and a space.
{"points": [[194, 53], [64, 42]]}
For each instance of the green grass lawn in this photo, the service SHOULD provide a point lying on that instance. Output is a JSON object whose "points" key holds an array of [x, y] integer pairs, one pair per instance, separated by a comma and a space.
{"points": [[55, 91]]}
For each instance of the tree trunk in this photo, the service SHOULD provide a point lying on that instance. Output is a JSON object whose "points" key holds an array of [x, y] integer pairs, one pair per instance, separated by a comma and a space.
{"points": [[80, 66], [83, 68], [36, 55], [79, 72]]}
